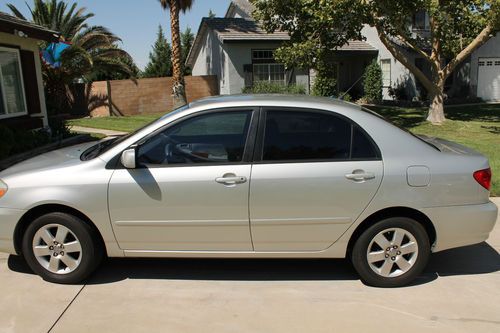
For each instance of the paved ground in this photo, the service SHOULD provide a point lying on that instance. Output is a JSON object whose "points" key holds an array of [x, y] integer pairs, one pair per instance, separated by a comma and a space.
{"points": [[459, 292], [80, 129]]}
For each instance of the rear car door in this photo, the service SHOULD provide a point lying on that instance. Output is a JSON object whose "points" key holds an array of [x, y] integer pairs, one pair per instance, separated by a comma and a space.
{"points": [[314, 173], [190, 190]]}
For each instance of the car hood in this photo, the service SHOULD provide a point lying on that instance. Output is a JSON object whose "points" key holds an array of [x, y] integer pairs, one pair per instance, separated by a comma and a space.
{"points": [[58, 158]]}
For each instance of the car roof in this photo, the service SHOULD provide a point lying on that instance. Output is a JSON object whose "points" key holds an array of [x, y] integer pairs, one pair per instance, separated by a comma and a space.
{"points": [[273, 100]]}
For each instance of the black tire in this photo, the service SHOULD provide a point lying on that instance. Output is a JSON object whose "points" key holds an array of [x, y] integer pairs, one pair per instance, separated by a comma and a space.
{"points": [[91, 251], [359, 256]]}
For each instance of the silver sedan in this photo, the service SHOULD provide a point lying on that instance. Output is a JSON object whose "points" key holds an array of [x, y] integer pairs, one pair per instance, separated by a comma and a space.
{"points": [[254, 177]]}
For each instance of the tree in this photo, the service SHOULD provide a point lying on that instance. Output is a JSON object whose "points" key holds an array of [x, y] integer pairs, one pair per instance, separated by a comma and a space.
{"points": [[160, 62], [187, 39], [457, 28], [372, 82], [211, 14], [178, 89], [93, 49]]}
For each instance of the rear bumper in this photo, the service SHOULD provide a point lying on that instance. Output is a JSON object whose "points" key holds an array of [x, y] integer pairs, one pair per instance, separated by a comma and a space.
{"points": [[8, 221], [461, 225]]}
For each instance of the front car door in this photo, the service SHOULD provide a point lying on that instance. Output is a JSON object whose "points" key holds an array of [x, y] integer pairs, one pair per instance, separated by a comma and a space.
{"points": [[314, 173], [190, 189]]}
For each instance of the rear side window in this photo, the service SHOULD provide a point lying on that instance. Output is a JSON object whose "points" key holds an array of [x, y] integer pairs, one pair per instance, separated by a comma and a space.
{"points": [[303, 135]]}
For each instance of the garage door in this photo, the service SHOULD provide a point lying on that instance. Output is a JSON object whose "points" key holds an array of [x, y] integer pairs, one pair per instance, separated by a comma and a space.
{"points": [[488, 79]]}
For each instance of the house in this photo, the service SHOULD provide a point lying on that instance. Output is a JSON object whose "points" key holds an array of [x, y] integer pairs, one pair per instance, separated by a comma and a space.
{"points": [[22, 99], [239, 52]]}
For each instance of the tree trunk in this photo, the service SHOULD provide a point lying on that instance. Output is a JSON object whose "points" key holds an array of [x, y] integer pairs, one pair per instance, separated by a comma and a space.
{"points": [[436, 108], [178, 90]]}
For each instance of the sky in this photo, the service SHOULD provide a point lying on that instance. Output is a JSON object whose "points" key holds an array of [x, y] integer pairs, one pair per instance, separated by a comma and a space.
{"points": [[136, 21]]}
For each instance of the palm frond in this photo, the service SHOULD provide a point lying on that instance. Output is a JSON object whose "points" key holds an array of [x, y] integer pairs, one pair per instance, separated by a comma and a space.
{"points": [[16, 11]]}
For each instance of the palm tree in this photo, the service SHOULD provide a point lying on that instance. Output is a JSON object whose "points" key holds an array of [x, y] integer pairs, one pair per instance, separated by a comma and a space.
{"points": [[178, 90], [93, 51]]}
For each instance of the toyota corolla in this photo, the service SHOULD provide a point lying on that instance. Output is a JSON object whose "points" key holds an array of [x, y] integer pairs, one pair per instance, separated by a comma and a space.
{"points": [[250, 177]]}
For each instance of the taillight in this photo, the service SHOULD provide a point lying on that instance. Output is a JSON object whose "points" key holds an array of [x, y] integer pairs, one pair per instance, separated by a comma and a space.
{"points": [[483, 177]]}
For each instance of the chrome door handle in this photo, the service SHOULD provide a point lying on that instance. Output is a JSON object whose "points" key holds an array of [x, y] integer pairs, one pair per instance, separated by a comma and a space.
{"points": [[360, 176], [231, 180]]}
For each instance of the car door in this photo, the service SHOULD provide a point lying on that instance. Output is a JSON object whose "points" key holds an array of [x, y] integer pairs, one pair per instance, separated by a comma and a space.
{"points": [[190, 189], [314, 173]]}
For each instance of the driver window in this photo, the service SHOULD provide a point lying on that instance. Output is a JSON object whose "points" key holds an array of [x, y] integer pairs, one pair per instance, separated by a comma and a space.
{"points": [[210, 138]]}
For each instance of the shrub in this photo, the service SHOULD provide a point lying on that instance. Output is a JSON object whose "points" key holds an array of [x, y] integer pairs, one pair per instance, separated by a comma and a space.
{"points": [[324, 85], [372, 82], [399, 92], [58, 128], [264, 87], [7, 141]]}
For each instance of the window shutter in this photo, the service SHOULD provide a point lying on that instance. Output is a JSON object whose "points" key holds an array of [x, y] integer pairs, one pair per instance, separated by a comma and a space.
{"points": [[30, 82], [248, 75]]}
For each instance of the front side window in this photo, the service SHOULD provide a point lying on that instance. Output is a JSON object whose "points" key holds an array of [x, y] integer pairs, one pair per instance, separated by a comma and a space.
{"points": [[297, 135], [210, 138], [12, 99]]}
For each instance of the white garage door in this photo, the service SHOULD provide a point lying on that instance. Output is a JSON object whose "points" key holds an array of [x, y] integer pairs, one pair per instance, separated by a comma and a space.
{"points": [[488, 79]]}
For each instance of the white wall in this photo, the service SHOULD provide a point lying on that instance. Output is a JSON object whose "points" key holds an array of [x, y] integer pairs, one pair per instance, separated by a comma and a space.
{"points": [[30, 45], [209, 60]]}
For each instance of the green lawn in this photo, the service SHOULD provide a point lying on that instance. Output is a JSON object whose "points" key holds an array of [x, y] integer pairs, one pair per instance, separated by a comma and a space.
{"points": [[125, 124], [476, 126]]}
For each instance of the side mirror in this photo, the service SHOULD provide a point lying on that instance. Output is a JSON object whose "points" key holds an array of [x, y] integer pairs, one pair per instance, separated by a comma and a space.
{"points": [[128, 158]]}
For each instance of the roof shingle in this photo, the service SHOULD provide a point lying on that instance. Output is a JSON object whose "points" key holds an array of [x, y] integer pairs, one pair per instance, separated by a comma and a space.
{"points": [[242, 29]]}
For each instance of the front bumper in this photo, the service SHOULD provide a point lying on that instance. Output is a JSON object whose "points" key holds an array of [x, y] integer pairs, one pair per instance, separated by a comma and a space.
{"points": [[8, 221], [461, 225]]}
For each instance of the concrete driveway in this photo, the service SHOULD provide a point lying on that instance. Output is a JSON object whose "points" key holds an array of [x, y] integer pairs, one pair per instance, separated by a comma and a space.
{"points": [[459, 292]]}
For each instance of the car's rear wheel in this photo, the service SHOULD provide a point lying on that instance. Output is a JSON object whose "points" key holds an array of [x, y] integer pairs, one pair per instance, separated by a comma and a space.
{"points": [[391, 253], [61, 248]]}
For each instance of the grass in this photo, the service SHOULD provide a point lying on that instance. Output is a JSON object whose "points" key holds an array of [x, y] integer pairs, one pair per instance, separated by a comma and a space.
{"points": [[475, 126], [123, 124]]}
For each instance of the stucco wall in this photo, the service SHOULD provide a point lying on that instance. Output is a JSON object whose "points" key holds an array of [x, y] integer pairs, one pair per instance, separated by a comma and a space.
{"points": [[30, 45], [208, 60]]}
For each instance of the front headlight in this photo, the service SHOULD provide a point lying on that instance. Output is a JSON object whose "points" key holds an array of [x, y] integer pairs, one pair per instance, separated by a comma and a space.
{"points": [[3, 188]]}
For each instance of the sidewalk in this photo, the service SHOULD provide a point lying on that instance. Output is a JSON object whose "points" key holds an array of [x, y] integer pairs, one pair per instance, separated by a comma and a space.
{"points": [[90, 130]]}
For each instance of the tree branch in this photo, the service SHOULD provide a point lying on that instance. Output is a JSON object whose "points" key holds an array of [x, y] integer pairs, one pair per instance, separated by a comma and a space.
{"points": [[431, 87], [480, 39], [414, 47]]}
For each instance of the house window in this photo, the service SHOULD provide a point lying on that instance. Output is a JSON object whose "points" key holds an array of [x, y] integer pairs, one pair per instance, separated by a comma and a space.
{"points": [[420, 21], [385, 64], [12, 98], [266, 69], [272, 73]]}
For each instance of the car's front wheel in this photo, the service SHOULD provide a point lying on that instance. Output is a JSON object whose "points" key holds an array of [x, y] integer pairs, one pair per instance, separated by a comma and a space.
{"points": [[391, 253], [61, 248]]}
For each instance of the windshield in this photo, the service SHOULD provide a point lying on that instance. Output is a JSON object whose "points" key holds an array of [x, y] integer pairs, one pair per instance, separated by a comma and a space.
{"points": [[105, 145]]}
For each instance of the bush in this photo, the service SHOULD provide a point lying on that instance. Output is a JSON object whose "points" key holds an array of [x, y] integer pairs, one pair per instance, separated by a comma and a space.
{"points": [[58, 128], [399, 92], [372, 82], [7, 141], [263, 87], [324, 85]]}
